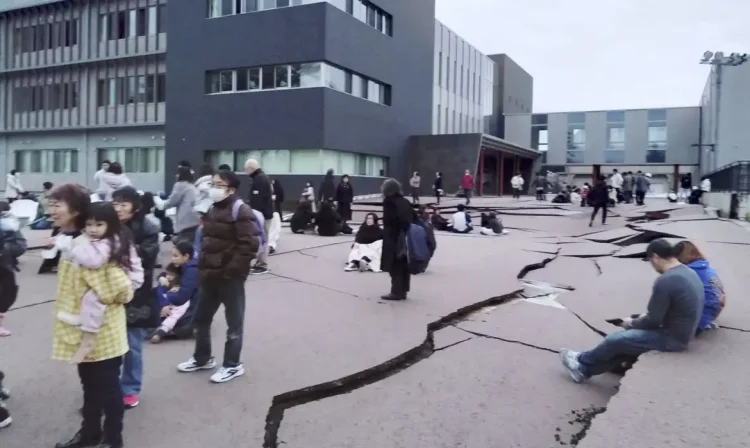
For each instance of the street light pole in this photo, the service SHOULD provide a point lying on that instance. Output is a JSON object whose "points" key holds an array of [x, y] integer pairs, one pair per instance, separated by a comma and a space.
{"points": [[719, 61]]}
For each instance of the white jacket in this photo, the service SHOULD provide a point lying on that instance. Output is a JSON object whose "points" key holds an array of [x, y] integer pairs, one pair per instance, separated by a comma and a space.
{"points": [[617, 180], [706, 185], [12, 186], [517, 182], [202, 185]]}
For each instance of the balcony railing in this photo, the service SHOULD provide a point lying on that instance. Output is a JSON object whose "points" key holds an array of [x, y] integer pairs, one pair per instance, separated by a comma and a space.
{"points": [[734, 177]]}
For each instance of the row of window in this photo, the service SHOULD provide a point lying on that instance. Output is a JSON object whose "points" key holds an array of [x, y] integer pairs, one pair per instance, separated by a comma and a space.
{"points": [[316, 74], [56, 96], [303, 161], [47, 161], [147, 21], [615, 156], [45, 36], [132, 90], [459, 81], [362, 10], [448, 122], [133, 160]]}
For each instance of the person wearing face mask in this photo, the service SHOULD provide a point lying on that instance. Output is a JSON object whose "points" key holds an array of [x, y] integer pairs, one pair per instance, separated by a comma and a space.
{"points": [[230, 240]]}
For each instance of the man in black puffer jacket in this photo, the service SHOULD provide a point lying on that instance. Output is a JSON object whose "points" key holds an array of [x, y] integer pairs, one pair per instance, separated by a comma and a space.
{"points": [[261, 199]]}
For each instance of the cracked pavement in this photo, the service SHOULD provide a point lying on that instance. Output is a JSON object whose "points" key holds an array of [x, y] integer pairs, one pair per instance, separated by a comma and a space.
{"points": [[468, 361]]}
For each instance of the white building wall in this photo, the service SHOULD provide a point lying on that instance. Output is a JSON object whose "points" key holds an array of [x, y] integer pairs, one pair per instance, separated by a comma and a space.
{"points": [[462, 101]]}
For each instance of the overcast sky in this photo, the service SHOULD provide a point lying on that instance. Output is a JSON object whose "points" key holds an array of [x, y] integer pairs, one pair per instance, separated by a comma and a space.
{"points": [[605, 54]]}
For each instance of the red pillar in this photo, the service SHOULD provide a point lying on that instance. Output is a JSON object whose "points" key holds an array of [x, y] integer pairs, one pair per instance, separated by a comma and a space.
{"points": [[676, 180], [501, 176], [480, 175]]}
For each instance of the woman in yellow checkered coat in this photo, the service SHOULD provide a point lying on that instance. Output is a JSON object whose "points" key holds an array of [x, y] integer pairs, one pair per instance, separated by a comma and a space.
{"points": [[100, 370]]}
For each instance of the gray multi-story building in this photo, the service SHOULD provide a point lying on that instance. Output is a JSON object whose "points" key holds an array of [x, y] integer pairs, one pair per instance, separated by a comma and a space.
{"points": [[513, 92], [81, 82], [578, 145]]}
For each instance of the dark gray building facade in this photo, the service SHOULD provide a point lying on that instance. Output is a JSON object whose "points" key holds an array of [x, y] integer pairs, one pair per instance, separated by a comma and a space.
{"points": [[512, 90], [302, 88]]}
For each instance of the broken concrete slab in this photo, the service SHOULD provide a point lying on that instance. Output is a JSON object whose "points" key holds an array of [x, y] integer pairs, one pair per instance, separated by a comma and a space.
{"points": [[611, 235], [589, 249], [468, 395], [656, 405], [707, 230], [633, 251], [570, 271], [448, 337]]}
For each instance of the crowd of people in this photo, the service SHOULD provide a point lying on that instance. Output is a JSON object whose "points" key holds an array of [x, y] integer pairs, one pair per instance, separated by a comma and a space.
{"points": [[105, 249]]}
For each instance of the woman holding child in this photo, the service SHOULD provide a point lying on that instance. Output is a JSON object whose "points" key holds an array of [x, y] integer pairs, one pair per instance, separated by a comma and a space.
{"points": [[101, 345]]}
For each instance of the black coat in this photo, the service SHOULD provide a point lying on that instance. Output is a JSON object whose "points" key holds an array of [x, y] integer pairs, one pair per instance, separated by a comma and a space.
{"points": [[345, 197], [261, 194], [599, 195], [302, 218], [398, 215], [328, 221], [143, 311], [327, 189], [438, 184], [278, 191]]}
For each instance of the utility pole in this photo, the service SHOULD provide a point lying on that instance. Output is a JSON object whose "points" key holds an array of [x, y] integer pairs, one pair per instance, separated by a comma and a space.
{"points": [[719, 61]]}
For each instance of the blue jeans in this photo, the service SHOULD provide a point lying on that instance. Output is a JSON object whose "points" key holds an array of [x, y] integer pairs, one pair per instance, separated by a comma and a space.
{"points": [[623, 345], [132, 365]]}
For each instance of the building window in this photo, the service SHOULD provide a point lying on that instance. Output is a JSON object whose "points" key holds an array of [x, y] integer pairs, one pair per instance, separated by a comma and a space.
{"points": [[46, 36], [615, 151], [134, 160], [316, 74], [368, 13], [540, 135], [576, 137], [146, 21], [657, 136], [131, 90], [47, 161], [47, 97], [303, 161]]}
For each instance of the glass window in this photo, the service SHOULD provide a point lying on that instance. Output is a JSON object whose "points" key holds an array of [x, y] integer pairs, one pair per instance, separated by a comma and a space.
{"points": [[242, 156], [253, 78], [282, 76], [226, 81], [267, 77], [250, 6], [311, 75], [336, 78], [267, 4], [306, 161], [656, 156], [577, 118], [359, 10], [576, 137], [216, 158], [657, 115], [330, 160], [282, 3], [162, 23], [277, 161], [657, 133], [348, 163], [614, 156], [539, 119], [373, 91], [615, 116], [616, 135], [242, 78], [574, 157], [375, 166]]}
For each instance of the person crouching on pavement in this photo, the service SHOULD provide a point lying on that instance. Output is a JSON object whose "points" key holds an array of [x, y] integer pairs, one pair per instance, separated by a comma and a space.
{"points": [[669, 325], [178, 294], [229, 243]]}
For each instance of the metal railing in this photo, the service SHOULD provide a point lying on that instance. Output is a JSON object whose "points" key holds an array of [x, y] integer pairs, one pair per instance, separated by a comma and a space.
{"points": [[734, 177]]}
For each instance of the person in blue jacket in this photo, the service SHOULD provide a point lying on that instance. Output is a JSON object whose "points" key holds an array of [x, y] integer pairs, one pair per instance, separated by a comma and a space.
{"points": [[179, 301], [713, 289]]}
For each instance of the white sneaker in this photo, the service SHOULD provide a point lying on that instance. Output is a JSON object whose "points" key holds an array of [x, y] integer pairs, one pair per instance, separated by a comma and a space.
{"points": [[569, 359], [193, 366], [350, 267], [227, 374]]}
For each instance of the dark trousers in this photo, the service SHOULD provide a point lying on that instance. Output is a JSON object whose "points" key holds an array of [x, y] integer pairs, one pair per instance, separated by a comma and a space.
{"points": [[231, 294], [639, 197], [415, 195], [400, 278], [516, 193], [345, 211], [277, 209], [539, 194], [437, 196], [628, 196], [102, 395], [603, 208], [619, 196], [8, 289], [185, 235], [468, 195]]}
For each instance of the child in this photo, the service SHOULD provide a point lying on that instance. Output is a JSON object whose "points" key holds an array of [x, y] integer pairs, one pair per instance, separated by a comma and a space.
{"points": [[12, 246], [176, 291], [106, 243]]}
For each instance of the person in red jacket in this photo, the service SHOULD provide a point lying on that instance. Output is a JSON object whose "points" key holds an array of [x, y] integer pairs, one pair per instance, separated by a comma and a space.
{"points": [[467, 183]]}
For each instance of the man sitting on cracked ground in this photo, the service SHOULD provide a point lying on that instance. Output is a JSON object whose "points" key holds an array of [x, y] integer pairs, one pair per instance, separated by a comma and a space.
{"points": [[674, 311]]}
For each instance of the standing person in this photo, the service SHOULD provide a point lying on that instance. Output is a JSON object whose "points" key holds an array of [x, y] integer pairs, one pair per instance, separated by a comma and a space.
{"points": [[13, 187], [705, 188], [308, 195], [100, 185], [438, 186], [184, 198], [261, 200], [142, 312], [12, 245], [627, 186], [398, 216], [344, 198], [540, 182], [100, 371], [517, 183], [686, 186], [617, 182], [327, 190], [278, 196], [230, 240], [112, 180], [641, 187], [669, 325], [598, 197], [202, 185], [414, 184], [467, 183]]}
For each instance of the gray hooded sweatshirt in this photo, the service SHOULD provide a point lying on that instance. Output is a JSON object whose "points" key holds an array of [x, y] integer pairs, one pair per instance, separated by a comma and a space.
{"points": [[109, 182], [184, 197]]}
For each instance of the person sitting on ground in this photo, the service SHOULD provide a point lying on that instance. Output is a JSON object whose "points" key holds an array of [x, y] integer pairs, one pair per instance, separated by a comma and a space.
{"points": [[492, 225], [180, 294], [425, 242], [672, 197], [460, 221], [674, 312], [438, 221], [367, 248], [328, 220], [303, 219], [714, 297]]}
